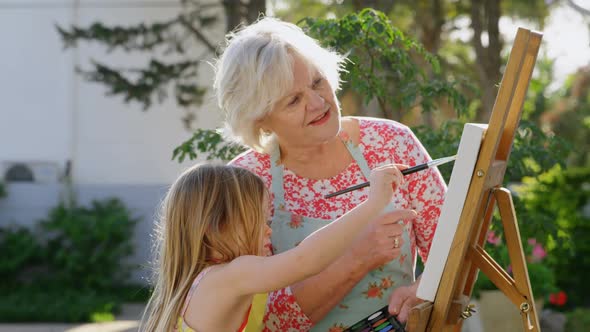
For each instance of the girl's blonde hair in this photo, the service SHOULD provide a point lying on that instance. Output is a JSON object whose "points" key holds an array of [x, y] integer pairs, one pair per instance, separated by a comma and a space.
{"points": [[255, 71], [210, 208]]}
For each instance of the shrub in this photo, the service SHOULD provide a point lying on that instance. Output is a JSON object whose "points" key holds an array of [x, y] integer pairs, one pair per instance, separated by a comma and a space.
{"points": [[541, 275], [86, 247], [72, 270], [555, 204], [578, 320], [20, 250], [46, 303]]}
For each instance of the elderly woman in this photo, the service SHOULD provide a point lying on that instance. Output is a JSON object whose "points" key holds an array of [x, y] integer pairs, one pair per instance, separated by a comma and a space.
{"points": [[277, 88]]}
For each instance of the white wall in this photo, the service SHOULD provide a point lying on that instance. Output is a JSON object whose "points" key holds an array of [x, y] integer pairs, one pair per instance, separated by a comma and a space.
{"points": [[48, 113], [35, 85]]}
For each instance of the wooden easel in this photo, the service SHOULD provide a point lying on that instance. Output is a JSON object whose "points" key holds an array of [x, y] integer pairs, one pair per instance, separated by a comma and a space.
{"points": [[467, 254]]}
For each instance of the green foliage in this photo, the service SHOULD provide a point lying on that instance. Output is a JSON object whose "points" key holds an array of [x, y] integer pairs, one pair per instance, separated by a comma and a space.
{"points": [[575, 127], [143, 37], [2, 190], [570, 117], [533, 150], [384, 62], [20, 250], [44, 301], [564, 113], [133, 293], [442, 142], [556, 205], [383, 66], [86, 246], [542, 278], [551, 208], [538, 99], [578, 320], [541, 275], [537, 10], [151, 82], [209, 142], [35, 303], [72, 269]]}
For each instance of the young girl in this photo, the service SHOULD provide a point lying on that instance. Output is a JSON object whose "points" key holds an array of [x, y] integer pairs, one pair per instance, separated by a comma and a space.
{"points": [[213, 237]]}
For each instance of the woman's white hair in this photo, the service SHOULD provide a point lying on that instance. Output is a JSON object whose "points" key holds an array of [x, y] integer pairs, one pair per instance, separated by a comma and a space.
{"points": [[255, 71]]}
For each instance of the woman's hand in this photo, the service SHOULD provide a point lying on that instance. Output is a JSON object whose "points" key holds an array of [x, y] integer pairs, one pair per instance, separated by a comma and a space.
{"points": [[384, 180], [403, 299], [375, 245]]}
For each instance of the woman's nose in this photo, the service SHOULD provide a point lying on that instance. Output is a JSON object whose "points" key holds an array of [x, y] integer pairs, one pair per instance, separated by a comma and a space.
{"points": [[315, 101]]}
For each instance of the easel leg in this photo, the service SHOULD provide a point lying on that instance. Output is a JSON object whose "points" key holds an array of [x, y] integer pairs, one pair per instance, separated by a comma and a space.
{"points": [[481, 234], [517, 258]]}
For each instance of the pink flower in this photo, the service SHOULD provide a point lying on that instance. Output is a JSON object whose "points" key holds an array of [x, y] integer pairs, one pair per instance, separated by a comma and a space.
{"points": [[538, 252], [493, 239], [532, 241]]}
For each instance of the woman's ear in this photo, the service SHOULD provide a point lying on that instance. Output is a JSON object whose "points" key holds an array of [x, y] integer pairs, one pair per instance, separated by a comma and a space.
{"points": [[263, 126]]}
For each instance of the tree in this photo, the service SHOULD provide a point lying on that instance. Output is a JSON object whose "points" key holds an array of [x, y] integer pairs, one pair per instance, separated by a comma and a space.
{"points": [[432, 22], [389, 67], [568, 115], [382, 67]]}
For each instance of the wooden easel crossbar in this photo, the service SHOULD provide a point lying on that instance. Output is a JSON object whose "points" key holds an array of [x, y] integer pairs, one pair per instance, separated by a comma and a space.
{"points": [[467, 254]]}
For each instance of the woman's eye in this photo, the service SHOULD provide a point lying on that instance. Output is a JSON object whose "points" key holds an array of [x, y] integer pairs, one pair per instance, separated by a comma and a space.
{"points": [[317, 82], [294, 101]]}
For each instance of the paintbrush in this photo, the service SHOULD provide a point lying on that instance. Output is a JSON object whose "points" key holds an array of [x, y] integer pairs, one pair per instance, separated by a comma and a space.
{"points": [[406, 171]]}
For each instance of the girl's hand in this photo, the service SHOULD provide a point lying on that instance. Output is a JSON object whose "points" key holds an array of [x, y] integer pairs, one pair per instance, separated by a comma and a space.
{"points": [[384, 180]]}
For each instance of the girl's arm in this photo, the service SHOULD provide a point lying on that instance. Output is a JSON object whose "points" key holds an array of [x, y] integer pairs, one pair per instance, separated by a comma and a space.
{"points": [[254, 274], [310, 257]]}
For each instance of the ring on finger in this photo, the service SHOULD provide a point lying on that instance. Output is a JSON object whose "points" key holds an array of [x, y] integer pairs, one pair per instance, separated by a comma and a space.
{"points": [[396, 242]]}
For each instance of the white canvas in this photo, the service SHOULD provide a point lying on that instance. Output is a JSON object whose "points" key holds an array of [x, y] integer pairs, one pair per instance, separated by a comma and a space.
{"points": [[467, 153]]}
